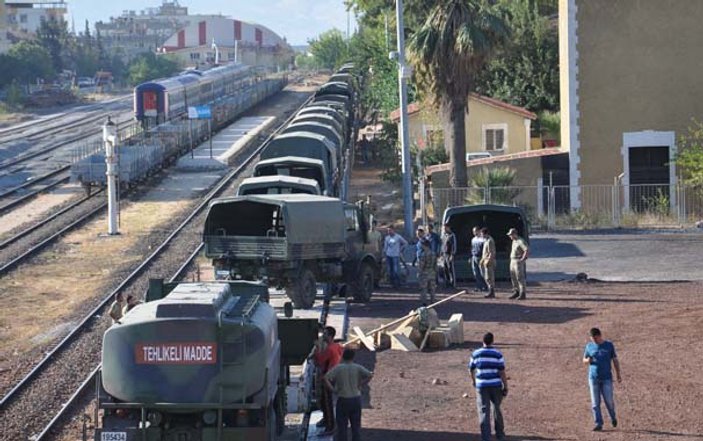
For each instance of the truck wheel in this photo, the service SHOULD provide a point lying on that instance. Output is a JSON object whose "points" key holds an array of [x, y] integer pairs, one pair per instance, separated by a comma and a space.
{"points": [[362, 287], [303, 290]]}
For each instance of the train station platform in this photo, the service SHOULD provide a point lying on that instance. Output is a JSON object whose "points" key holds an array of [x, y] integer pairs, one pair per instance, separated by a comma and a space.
{"points": [[225, 144]]}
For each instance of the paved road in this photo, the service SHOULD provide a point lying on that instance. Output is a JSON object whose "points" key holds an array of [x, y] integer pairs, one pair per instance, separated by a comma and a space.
{"points": [[636, 256]]}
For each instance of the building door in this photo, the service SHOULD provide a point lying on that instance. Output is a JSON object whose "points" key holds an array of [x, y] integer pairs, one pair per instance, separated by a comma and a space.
{"points": [[649, 179]]}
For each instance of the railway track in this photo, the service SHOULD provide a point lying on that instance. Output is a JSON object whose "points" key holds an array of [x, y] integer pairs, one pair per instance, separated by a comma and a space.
{"points": [[18, 131], [23, 246], [15, 196], [20, 194], [73, 139], [65, 370]]}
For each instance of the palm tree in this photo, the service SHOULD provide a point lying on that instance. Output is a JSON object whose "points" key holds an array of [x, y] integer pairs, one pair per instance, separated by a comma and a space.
{"points": [[455, 42]]}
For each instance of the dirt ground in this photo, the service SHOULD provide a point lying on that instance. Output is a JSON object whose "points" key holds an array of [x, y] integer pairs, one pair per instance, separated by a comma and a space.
{"points": [[656, 330]]}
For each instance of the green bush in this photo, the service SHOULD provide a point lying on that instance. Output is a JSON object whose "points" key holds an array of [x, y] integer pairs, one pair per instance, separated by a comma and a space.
{"points": [[500, 181]]}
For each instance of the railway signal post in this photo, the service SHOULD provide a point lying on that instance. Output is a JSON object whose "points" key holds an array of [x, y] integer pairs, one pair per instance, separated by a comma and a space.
{"points": [[110, 141]]}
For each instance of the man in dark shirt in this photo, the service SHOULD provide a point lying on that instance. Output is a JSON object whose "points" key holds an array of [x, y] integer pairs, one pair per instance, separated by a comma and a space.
{"points": [[448, 252], [598, 355]]}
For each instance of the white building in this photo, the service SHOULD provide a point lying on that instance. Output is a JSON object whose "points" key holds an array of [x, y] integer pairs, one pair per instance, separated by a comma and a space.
{"points": [[248, 43], [23, 17], [134, 32]]}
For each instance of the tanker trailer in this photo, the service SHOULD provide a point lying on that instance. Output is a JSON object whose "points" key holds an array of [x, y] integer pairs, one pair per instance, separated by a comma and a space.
{"points": [[204, 362]]}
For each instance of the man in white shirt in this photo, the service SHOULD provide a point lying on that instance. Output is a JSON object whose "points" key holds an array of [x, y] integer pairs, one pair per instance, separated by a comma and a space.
{"points": [[392, 247]]}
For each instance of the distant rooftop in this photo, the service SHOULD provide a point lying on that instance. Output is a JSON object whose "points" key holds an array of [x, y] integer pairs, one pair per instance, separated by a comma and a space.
{"points": [[167, 8], [36, 3]]}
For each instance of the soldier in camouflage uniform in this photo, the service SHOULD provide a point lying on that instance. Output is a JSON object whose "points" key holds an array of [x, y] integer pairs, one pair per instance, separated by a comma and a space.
{"points": [[426, 267]]}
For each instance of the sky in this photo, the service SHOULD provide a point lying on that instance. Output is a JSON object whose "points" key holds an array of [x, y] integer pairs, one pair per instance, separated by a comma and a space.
{"points": [[297, 20]]}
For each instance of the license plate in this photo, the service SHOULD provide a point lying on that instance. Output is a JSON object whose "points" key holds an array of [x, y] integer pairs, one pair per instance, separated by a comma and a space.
{"points": [[113, 436]]}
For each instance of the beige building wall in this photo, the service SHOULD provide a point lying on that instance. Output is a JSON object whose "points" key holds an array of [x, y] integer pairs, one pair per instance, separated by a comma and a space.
{"points": [[630, 76], [480, 117]]}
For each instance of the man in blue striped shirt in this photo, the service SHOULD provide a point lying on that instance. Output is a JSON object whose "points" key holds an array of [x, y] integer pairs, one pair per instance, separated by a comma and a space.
{"points": [[487, 368]]}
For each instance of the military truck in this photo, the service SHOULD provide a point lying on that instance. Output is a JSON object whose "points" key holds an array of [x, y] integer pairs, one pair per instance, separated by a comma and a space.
{"points": [[294, 242], [278, 184], [321, 129], [306, 145], [300, 167]]}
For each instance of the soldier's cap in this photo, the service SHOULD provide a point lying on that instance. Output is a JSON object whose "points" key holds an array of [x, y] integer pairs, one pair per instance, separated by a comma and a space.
{"points": [[512, 231]]}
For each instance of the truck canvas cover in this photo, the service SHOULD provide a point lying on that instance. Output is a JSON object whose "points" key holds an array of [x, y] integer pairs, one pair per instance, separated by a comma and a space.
{"points": [[296, 166], [278, 226], [278, 184], [315, 127], [306, 144]]}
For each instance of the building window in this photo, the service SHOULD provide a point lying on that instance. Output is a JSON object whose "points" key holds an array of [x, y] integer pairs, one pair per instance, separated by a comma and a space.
{"points": [[230, 55], [495, 137], [195, 55], [23, 18], [434, 136]]}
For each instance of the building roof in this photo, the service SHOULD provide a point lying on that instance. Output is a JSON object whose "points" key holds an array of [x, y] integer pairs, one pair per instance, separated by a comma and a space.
{"points": [[415, 107], [224, 31], [502, 158]]}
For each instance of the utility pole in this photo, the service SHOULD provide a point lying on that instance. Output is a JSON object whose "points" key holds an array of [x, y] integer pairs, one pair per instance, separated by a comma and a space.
{"points": [[404, 72], [110, 141]]}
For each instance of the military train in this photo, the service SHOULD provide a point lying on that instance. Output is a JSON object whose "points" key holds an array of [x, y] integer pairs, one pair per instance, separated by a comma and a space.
{"points": [[299, 229], [209, 361]]}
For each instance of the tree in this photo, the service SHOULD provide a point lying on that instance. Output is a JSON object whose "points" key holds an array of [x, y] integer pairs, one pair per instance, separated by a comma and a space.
{"points": [[329, 49], [451, 48], [148, 66], [305, 61], [690, 156], [379, 85], [526, 72], [25, 62], [53, 35]]}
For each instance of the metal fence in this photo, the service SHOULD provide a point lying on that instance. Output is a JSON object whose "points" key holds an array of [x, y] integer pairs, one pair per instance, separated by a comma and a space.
{"points": [[602, 206]]}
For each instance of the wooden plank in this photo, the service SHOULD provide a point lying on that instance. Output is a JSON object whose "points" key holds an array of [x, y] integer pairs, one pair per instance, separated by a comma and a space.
{"points": [[365, 339], [412, 333], [412, 314], [402, 343]]}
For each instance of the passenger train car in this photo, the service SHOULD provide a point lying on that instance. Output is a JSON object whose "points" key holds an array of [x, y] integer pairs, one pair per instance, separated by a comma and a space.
{"points": [[159, 101]]}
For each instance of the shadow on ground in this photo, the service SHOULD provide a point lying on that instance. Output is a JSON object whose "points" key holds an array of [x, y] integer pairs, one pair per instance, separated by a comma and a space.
{"points": [[474, 309], [547, 247], [410, 435]]}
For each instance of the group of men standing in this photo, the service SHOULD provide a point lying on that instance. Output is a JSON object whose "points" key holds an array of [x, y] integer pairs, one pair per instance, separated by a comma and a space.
{"points": [[483, 262], [431, 247]]}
